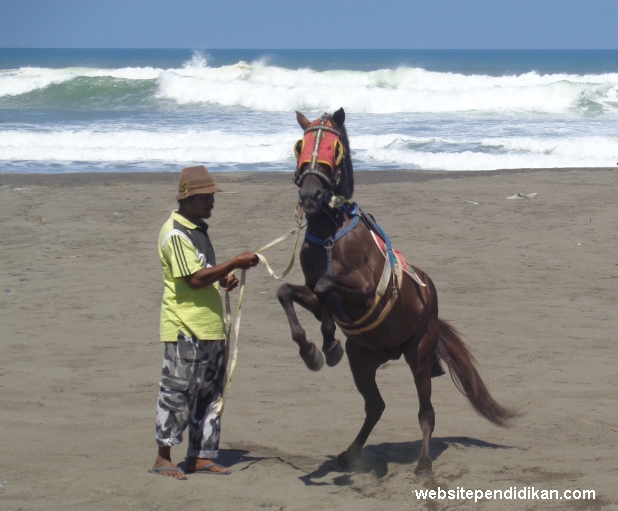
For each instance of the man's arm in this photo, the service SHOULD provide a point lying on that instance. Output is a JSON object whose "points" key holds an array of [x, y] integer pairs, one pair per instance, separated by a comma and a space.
{"points": [[208, 276]]}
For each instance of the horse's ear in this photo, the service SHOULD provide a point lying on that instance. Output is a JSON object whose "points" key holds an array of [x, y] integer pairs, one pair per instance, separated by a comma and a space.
{"points": [[339, 117], [302, 120]]}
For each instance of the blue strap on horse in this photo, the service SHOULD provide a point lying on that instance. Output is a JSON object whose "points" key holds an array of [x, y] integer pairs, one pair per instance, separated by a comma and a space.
{"points": [[333, 239], [328, 244]]}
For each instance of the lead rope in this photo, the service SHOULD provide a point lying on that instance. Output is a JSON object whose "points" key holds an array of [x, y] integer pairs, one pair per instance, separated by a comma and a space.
{"points": [[231, 352]]}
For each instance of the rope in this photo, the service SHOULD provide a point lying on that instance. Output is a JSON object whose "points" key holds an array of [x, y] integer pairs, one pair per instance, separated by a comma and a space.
{"points": [[231, 352], [298, 213]]}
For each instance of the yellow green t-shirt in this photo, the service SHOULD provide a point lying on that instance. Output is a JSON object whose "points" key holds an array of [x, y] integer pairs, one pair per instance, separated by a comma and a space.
{"points": [[184, 248]]}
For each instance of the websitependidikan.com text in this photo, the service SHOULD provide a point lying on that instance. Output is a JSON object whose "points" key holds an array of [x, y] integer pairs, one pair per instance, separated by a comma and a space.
{"points": [[512, 493]]}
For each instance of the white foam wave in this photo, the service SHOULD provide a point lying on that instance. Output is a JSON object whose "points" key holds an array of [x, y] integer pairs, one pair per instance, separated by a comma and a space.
{"points": [[144, 146], [597, 147], [492, 153], [472, 160], [369, 151], [21, 81], [262, 87], [580, 148], [404, 90]]}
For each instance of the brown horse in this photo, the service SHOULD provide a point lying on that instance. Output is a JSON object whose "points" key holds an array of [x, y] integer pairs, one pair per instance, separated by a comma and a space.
{"points": [[343, 269]]}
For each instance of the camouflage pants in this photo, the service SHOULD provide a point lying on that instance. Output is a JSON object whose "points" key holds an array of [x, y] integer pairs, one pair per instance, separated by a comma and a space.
{"points": [[191, 383]]}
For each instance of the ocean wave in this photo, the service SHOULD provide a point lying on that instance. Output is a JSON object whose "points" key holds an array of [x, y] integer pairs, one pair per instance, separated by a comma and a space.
{"points": [[14, 82], [405, 90], [477, 161], [261, 87], [81, 93], [274, 151], [575, 148], [147, 146]]}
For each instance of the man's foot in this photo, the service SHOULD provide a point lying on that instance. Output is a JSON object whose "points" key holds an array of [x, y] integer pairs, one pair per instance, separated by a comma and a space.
{"points": [[204, 465], [167, 468]]}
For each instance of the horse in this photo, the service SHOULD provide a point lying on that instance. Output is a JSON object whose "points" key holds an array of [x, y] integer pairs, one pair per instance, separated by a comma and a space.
{"points": [[384, 314]]}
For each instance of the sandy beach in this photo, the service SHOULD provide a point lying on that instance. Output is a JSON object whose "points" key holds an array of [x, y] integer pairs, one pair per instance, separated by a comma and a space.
{"points": [[531, 283]]}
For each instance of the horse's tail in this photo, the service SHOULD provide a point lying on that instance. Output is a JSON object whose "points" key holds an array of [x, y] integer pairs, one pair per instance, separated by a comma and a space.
{"points": [[452, 350]]}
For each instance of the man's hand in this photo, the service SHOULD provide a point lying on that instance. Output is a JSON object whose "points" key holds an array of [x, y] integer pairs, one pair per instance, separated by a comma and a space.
{"points": [[228, 282], [211, 274], [245, 260], [242, 261]]}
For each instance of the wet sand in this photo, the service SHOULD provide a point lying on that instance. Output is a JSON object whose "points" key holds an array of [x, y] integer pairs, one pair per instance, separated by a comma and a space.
{"points": [[531, 283]]}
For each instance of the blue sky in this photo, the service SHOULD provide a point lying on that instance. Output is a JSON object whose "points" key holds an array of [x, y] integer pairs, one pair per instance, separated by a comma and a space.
{"points": [[275, 24]]}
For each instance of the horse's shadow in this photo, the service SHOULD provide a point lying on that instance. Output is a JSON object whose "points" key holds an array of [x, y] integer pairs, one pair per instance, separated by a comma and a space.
{"points": [[377, 458]]}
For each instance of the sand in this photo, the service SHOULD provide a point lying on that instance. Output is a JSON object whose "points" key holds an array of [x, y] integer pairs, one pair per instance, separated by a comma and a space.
{"points": [[531, 283]]}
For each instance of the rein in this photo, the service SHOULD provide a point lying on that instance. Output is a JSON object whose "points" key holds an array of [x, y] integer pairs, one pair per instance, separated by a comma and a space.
{"points": [[231, 353]]}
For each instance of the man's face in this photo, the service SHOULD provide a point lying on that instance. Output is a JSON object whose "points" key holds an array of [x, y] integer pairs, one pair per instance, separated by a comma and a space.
{"points": [[201, 205]]}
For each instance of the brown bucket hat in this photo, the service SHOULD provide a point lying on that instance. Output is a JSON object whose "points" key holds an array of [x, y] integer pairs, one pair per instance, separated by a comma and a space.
{"points": [[194, 181]]}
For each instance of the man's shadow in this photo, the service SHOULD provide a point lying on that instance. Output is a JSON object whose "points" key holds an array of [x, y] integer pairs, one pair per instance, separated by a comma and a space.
{"points": [[232, 457], [226, 457], [377, 458]]}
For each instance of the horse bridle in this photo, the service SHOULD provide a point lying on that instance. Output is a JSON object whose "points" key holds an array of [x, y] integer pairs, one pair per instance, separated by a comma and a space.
{"points": [[331, 181]]}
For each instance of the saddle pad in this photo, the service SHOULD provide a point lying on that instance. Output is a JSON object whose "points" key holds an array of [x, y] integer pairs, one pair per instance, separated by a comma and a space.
{"points": [[402, 260]]}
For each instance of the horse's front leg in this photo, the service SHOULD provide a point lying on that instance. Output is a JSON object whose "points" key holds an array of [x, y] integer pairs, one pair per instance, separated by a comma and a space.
{"points": [[352, 288], [332, 348], [305, 297]]}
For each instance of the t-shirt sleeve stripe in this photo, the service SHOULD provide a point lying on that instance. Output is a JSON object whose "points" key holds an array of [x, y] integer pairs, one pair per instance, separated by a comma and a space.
{"points": [[177, 254], [180, 256]]}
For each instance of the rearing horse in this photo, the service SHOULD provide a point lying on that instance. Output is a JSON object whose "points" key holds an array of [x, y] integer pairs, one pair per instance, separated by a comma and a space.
{"points": [[383, 311]]}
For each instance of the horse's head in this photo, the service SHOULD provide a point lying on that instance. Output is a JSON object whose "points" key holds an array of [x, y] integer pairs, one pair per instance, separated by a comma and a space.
{"points": [[323, 166]]}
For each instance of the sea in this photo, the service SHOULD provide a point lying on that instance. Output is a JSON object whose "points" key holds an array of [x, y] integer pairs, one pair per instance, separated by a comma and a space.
{"points": [[118, 110]]}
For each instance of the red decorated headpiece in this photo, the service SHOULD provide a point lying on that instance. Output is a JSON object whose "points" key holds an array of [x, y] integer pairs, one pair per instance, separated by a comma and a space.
{"points": [[330, 151]]}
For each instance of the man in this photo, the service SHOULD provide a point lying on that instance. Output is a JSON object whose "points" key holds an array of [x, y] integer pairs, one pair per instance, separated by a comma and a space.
{"points": [[192, 329]]}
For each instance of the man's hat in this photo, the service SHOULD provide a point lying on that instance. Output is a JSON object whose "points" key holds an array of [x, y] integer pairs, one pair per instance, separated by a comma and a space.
{"points": [[195, 180]]}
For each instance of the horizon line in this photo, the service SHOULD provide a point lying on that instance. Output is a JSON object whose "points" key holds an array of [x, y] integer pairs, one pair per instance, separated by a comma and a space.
{"points": [[194, 48]]}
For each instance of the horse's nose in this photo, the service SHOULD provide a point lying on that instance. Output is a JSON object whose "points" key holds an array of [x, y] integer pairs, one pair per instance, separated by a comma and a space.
{"points": [[314, 194]]}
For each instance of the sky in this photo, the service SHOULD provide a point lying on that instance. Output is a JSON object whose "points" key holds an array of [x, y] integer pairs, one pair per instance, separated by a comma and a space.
{"points": [[287, 24]]}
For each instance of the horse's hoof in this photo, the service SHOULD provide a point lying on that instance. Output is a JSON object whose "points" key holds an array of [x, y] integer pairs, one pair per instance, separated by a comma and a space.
{"points": [[312, 357], [333, 354], [423, 467], [349, 458]]}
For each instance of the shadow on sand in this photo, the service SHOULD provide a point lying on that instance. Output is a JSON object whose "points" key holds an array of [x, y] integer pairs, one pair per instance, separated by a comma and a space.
{"points": [[377, 458]]}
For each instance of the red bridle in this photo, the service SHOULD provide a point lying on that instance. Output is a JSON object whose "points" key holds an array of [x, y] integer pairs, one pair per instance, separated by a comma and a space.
{"points": [[326, 149]]}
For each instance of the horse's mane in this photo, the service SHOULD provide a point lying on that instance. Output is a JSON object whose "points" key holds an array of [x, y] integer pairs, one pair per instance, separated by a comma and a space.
{"points": [[346, 185]]}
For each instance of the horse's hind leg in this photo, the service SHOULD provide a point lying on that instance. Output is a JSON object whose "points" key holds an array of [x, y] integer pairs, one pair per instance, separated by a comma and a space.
{"points": [[364, 363], [420, 357], [287, 295]]}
